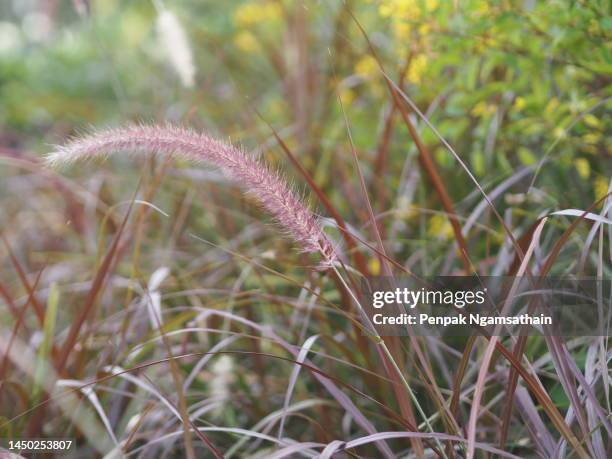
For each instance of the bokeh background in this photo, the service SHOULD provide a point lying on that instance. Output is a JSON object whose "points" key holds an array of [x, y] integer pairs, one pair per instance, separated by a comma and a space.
{"points": [[520, 90]]}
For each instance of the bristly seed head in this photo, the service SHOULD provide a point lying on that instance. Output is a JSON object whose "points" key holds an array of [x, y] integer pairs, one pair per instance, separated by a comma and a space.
{"points": [[257, 179]]}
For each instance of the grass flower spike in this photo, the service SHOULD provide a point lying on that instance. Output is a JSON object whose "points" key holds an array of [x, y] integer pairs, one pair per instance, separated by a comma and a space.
{"points": [[256, 178], [175, 46]]}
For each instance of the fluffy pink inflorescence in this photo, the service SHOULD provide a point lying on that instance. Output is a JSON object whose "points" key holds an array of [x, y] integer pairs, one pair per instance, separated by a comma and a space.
{"points": [[256, 178]]}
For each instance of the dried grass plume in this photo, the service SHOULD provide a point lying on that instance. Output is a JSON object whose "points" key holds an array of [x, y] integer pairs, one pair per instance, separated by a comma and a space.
{"points": [[256, 178]]}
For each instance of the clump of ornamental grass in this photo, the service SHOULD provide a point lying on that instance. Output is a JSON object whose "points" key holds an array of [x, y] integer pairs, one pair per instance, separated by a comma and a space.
{"points": [[270, 190]]}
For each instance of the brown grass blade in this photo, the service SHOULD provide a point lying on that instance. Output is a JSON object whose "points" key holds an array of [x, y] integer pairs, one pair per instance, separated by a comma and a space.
{"points": [[17, 325], [425, 159], [488, 354], [92, 296], [38, 308]]}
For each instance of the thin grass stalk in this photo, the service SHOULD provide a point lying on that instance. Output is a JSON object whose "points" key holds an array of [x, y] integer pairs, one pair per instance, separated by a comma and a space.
{"points": [[381, 342], [386, 271]]}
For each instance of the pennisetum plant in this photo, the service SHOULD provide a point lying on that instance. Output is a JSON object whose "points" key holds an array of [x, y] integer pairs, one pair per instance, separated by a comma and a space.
{"points": [[291, 214]]}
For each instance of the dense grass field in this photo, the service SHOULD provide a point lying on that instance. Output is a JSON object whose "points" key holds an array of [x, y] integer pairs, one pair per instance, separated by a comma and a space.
{"points": [[150, 308]]}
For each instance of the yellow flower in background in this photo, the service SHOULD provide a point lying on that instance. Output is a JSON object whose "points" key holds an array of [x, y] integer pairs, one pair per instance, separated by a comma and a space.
{"points": [[247, 42], [401, 30], [439, 227], [483, 109], [367, 67], [519, 103], [431, 5], [347, 96], [253, 13], [417, 69], [482, 8], [385, 9], [600, 187], [583, 168], [407, 16], [374, 266], [406, 9], [552, 105], [424, 29], [400, 9]]}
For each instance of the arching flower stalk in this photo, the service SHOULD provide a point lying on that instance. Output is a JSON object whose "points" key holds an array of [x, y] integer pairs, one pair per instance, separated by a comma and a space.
{"points": [[298, 222]]}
